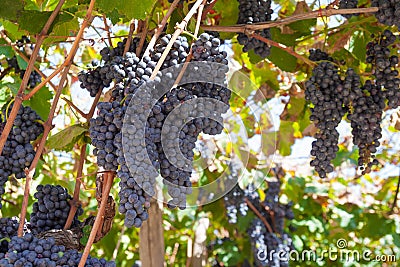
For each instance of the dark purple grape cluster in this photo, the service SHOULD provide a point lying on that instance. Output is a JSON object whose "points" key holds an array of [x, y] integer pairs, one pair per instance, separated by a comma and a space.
{"points": [[323, 90], [254, 11], [348, 4], [71, 258], [108, 53], [176, 55], [137, 174], [366, 118], [319, 55], [24, 45], [207, 48], [51, 209], [96, 79], [175, 171], [31, 251], [234, 204], [388, 13], [104, 130], [34, 78], [385, 67], [18, 152], [333, 97], [8, 229]]}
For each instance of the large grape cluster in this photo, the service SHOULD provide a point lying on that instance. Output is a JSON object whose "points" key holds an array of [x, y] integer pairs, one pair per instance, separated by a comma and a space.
{"points": [[324, 90], [71, 258], [365, 119], [385, 66], [250, 12], [139, 165], [18, 152], [348, 4], [176, 165], [51, 209], [32, 251], [137, 180], [333, 97], [388, 13], [105, 130]]}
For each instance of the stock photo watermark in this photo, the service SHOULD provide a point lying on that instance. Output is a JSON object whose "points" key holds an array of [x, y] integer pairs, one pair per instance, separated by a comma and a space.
{"points": [[340, 253]]}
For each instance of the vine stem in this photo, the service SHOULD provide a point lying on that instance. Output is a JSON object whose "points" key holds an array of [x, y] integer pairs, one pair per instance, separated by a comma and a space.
{"points": [[143, 29], [190, 56], [44, 82], [48, 124], [75, 200], [249, 28], [179, 29], [20, 95], [72, 105], [199, 16], [79, 174], [107, 29], [259, 215], [129, 40], [108, 177], [88, 115], [160, 27], [283, 47]]}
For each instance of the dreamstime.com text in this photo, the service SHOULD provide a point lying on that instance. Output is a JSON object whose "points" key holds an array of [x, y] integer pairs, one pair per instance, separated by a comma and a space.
{"points": [[341, 254]]}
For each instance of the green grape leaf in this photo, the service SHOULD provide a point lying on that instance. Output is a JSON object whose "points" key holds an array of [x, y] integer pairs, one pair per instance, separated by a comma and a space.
{"points": [[65, 29], [86, 233], [10, 9], [370, 228], [283, 59], [114, 16], [176, 17], [269, 142], [285, 138], [22, 63], [40, 102], [359, 45], [33, 21], [132, 9], [293, 109], [5, 94], [6, 50], [228, 11], [13, 32], [65, 139], [286, 39]]}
